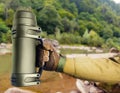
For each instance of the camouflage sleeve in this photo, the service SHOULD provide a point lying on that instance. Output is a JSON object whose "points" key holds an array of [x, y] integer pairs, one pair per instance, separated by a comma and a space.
{"points": [[94, 69]]}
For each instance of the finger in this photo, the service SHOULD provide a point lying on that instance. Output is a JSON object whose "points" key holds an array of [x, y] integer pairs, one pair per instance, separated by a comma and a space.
{"points": [[46, 56]]}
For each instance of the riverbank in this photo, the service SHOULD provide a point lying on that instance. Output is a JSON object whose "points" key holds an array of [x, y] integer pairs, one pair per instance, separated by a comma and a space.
{"points": [[70, 51], [5, 48], [66, 83]]}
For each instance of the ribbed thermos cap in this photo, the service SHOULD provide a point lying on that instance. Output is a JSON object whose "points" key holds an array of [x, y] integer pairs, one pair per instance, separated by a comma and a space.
{"points": [[24, 17]]}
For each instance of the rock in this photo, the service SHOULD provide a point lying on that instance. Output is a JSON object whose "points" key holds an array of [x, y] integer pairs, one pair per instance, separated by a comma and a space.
{"points": [[88, 87], [2, 45], [75, 91], [114, 50], [86, 82], [5, 48], [58, 92], [116, 88], [17, 90]]}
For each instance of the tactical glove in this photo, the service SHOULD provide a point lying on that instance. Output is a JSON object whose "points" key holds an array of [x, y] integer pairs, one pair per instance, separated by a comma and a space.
{"points": [[47, 56]]}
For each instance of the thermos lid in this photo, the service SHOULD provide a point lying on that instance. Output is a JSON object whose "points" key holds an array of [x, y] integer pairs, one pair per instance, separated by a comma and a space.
{"points": [[25, 17], [24, 14]]}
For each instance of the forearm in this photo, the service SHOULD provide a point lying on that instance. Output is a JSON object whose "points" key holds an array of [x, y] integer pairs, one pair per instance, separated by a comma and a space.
{"points": [[103, 70]]}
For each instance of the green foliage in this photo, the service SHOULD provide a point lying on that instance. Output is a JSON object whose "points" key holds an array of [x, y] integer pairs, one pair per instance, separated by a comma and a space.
{"points": [[113, 42], [43, 34], [3, 27], [9, 18], [69, 38], [64, 13], [3, 30], [14, 4], [92, 38], [86, 37], [116, 32], [2, 7], [66, 38], [95, 39], [37, 4], [116, 42], [57, 33], [48, 19], [67, 20], [6, 37], [107, 33]]}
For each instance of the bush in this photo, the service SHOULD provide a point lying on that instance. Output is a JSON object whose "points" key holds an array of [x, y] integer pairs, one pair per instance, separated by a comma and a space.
{"points": [[113, 42], [3, 30], [92, 39], [68, 38]]}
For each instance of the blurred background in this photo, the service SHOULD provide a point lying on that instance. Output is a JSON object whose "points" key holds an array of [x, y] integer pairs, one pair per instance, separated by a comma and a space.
{"points": [[80, 26]]}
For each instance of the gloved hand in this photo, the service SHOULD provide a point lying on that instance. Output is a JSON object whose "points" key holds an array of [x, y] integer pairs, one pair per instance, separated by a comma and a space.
{"points": [[47, 56]]}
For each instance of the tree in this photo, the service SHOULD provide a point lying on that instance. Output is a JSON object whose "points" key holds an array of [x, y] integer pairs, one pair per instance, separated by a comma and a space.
{"points": [[110, 43], [14, 4], [82, 27], [3, 29], [100, 17], [2, 9], [66, 25], [64, 13], [49, 19], [116, 32], [95, 39], [92, 38], [86, 37], [107, 33], [9, 19], [37, 4], [70, 26], [69, 38]]}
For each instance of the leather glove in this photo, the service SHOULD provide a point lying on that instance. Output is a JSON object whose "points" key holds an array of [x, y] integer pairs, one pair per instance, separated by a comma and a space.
{"points": [[47, 57]]}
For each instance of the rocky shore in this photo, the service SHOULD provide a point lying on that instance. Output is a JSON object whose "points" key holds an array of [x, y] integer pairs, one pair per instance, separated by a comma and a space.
{"points": [[7, 48]]}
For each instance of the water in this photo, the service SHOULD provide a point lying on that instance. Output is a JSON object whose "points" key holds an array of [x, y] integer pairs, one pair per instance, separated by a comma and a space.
{"points": [[5, 63]]}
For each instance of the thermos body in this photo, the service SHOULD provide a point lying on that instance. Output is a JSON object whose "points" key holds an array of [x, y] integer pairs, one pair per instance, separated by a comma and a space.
{"points": [[23, 55], [24, 35]]}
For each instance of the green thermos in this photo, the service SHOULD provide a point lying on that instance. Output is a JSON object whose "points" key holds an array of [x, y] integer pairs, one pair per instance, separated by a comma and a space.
{"points": [[24, 36]]}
